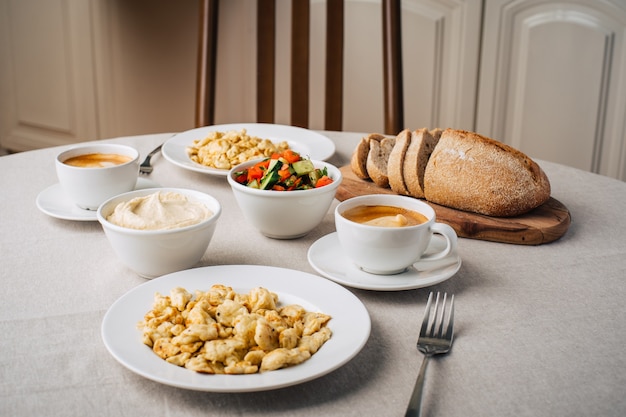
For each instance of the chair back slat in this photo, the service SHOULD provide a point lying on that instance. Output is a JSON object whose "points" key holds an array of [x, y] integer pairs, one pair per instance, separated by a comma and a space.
{"points": [[392, 66], [300, 24], [266, 60], [333, 111], [207, 63]]}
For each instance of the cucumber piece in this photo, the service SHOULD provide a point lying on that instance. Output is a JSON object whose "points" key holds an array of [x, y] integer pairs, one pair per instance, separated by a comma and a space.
{"points": [[274, 165], [314, 176], [269, 179], [303, 167]]}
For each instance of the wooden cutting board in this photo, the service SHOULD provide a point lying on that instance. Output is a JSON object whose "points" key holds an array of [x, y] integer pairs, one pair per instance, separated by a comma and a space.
{"points": [[544, 224]]}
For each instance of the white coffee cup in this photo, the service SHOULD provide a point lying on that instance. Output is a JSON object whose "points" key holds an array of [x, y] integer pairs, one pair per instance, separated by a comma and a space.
{"points": [[88, 187], [390, 250]]}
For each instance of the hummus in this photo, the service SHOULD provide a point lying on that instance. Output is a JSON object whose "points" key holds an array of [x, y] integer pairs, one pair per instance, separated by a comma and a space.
{"points": [[159, 211]]}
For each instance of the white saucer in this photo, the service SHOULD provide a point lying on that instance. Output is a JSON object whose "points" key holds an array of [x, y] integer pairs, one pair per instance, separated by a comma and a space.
{"points": [[54, 202], [327, 257]]}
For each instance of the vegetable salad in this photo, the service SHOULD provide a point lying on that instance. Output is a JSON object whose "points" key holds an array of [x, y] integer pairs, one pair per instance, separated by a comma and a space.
{"points": [[285, 171]]}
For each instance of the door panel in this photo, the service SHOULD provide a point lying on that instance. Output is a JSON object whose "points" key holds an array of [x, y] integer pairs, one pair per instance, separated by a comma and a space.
{"points": [[552, 81]]}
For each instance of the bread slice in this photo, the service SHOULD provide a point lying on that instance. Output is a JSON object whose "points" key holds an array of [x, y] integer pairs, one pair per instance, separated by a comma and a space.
{"points": [[470, 172], [436, 133], [396, 162], [358, 162], [377, 159], [417, 154]]}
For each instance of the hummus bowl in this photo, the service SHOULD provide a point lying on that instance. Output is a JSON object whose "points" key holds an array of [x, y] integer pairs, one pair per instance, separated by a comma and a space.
{"points": [[154, 252]]}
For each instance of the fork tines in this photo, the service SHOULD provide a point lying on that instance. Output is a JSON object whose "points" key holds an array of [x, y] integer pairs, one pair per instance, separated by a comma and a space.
{"points": [[438, 320]]}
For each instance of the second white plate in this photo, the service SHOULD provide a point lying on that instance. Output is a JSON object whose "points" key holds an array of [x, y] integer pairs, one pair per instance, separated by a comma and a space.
{"points": [[306, 142]]}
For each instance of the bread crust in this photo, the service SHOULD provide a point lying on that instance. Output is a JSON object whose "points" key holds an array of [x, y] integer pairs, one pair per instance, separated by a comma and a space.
{"points": [[417, 154], [396, 162], [471, 172], [436, 133]]}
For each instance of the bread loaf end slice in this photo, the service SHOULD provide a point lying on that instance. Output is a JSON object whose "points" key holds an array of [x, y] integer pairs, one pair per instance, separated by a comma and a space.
{"points": [[417, 154], [470, 172], [377, 159], [358, 161]]}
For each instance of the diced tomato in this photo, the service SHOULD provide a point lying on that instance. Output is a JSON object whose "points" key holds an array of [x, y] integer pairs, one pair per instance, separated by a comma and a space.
{"points": [[324, 180], [284, 172], [256, 171], [291, 156], [242, 178]]}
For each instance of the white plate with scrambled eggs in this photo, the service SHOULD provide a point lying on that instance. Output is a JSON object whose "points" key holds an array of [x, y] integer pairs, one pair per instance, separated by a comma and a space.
{"points": [[350, 325], [215, 149]]}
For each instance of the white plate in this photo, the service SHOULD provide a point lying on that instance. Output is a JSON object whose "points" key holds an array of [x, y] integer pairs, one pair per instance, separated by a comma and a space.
{"points": [[54, 202], [305, 142], [327, 257], [350, 325]]}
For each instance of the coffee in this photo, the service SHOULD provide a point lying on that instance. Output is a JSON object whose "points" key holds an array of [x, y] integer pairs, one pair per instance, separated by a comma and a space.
{"points": [[97, 160], [384, 216]]}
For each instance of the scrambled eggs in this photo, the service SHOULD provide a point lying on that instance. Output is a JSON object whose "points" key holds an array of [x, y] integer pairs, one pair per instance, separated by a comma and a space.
{"points": [[224, 150], [223, 332]]}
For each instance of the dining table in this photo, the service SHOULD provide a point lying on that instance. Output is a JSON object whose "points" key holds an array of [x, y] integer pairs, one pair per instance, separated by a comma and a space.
{"points": [[539, 330]]}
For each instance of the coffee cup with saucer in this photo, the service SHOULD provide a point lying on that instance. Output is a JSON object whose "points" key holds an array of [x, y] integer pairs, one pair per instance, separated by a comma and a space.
{"points": [[384, 234]]}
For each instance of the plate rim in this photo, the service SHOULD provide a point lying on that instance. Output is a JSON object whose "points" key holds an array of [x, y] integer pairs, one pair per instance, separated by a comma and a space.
{"points": [[182, 139], [168, 374], [373, 287]]}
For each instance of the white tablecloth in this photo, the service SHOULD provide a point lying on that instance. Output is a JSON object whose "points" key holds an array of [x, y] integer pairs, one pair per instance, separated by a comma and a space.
{"points": [[539, 329]]}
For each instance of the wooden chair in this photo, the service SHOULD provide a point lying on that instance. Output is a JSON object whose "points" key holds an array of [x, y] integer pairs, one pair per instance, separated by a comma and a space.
{"points": [[266, 50]]}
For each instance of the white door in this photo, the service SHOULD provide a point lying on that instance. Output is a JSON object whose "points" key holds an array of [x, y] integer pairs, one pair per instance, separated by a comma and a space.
{"points": [[553, 81]]}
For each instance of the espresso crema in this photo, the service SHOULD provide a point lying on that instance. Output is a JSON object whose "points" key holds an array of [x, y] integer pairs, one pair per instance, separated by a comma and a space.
{"points": [[97, 160], [384, 216]]}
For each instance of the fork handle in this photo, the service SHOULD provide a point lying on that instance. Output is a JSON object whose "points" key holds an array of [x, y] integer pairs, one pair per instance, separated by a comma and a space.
{"points": [[415, 403], [154, 151]]}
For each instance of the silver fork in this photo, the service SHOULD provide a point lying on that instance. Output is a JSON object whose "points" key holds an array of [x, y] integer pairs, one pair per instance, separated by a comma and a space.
{"points": [[146, 167], [435, 337]]}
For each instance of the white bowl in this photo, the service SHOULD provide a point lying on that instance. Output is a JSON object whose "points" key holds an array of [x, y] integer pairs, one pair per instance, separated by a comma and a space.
{"points": [[285, 214], [151, 253]]}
